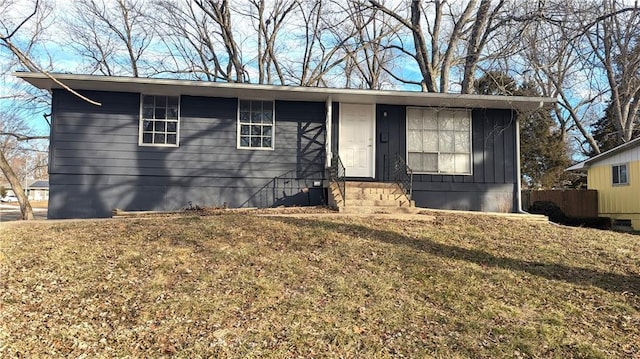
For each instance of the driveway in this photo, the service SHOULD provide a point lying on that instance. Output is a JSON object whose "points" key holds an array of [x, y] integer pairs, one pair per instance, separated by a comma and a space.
{"points": [[11, 212]]}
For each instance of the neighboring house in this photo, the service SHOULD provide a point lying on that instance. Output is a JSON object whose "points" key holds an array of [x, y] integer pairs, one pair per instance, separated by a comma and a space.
{"points": [[158, 144], [615, 174], [38, 190]]}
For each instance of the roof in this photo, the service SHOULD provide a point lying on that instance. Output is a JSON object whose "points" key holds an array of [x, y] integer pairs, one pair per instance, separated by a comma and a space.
{"points": [[40, 184], [273, 92], [623, 147]]}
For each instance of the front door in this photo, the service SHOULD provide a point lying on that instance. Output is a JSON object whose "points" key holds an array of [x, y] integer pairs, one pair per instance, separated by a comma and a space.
{"points": [[356, 139]]}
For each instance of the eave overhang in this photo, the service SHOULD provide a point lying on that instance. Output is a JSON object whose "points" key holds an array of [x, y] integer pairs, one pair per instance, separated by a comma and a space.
{"points": [[581, 166], [174, 87]]}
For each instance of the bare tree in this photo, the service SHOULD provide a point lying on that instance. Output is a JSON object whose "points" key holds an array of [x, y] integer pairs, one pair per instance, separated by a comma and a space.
{"points": [[581, 53], [200, 40], [439, 31], [112, 37], [366, 68]]}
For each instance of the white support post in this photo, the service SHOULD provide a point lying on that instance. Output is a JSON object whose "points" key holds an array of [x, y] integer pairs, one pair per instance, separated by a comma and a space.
{"points": [[327, 140]]}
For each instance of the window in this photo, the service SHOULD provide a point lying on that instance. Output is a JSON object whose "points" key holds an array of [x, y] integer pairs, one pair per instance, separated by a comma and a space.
{"points": [[619, 174], [159, 121], [439, 141], [255, 124]]}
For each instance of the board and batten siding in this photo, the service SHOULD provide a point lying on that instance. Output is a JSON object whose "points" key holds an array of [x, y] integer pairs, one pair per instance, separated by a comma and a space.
{"points": [[96, 164], [491, 187], [617, 201]]}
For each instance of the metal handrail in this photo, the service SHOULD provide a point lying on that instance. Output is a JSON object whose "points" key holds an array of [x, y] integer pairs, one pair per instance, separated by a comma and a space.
{"points": [[402, 174], [337, 174]]}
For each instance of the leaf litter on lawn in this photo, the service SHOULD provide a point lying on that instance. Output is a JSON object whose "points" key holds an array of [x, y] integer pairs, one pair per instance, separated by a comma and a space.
{"points": [[239, 285]]}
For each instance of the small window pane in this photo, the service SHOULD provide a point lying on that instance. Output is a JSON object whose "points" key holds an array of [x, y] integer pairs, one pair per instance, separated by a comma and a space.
{"points": [[615, 174], [623, 174], [245, 117], [415, 124], [244, 141], [256, 130], [147, 112], [445, 120], [414, 160], [160, 113], [266, 142], [430, 162], [172, 139], [462, 163], [446, 141], [244, 129], [414, 142], [430, 123], [245, 106], [172, 113], [147, 125], [255, 142], [446, 163], [430, 141], [462, 142], [256, 117], [160, 126], [158, 138], [266, 131], [172, 127], [147, 138], [148, 101], [267, 106], [267, 117], [462, 124]]}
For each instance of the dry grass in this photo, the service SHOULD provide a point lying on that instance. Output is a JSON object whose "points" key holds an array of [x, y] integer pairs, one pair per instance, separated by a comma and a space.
{"points": [[246, 286]]}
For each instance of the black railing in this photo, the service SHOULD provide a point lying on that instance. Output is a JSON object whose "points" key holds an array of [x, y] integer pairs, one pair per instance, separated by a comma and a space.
{"points": [[337, 175], [402, 174]]}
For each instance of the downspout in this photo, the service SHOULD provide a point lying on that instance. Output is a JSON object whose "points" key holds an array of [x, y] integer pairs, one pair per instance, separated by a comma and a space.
{"points": [[328, 136], [518, 171]]}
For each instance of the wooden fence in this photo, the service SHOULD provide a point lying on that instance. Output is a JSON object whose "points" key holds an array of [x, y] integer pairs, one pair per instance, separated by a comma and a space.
{"points": [[573, 202]]}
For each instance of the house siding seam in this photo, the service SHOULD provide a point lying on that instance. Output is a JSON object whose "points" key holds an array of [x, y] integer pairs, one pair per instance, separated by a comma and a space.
{"points": [[96, 164]]}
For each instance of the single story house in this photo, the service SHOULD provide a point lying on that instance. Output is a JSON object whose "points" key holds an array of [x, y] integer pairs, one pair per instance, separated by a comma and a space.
{"points": [[38, 190], [165, 144], [615, 174]]}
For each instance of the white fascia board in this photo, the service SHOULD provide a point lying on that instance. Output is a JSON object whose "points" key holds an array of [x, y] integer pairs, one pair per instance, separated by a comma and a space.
{"points": [[587, 163], [292, 93]]}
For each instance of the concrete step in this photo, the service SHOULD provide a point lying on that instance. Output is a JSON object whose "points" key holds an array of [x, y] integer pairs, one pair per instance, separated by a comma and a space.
{"points": [[378, 203], [378, 210]]}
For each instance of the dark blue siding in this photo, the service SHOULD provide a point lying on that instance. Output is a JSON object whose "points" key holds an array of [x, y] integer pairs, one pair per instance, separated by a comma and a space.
{"points": [[96, 164], [493, 184]]}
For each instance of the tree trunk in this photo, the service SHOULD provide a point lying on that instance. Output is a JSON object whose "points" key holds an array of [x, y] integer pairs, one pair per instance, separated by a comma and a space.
{"points": [[25, 206]]}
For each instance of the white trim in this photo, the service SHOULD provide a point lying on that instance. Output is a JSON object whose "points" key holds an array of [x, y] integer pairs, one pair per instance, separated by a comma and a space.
{"points": [[328, 132], [439, 173], [518, 170], [273, 125], [141, 120], [372, 151], [626, 166], [291, 93]]}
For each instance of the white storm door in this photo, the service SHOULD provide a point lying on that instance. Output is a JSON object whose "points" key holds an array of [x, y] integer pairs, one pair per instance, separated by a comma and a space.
{"points": [[356, 139]]}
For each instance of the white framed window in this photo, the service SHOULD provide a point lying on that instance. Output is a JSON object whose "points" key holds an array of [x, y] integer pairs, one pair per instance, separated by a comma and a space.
{"points": [[256, 124], [619, 174], [439, 141], [159, 120]]}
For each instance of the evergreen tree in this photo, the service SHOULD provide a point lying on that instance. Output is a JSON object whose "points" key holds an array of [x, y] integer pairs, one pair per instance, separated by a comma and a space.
{"points": [[543, 151], [605, 133]]}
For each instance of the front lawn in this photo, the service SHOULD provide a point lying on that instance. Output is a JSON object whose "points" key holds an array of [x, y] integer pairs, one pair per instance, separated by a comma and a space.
{"points": [[239, 285]]}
